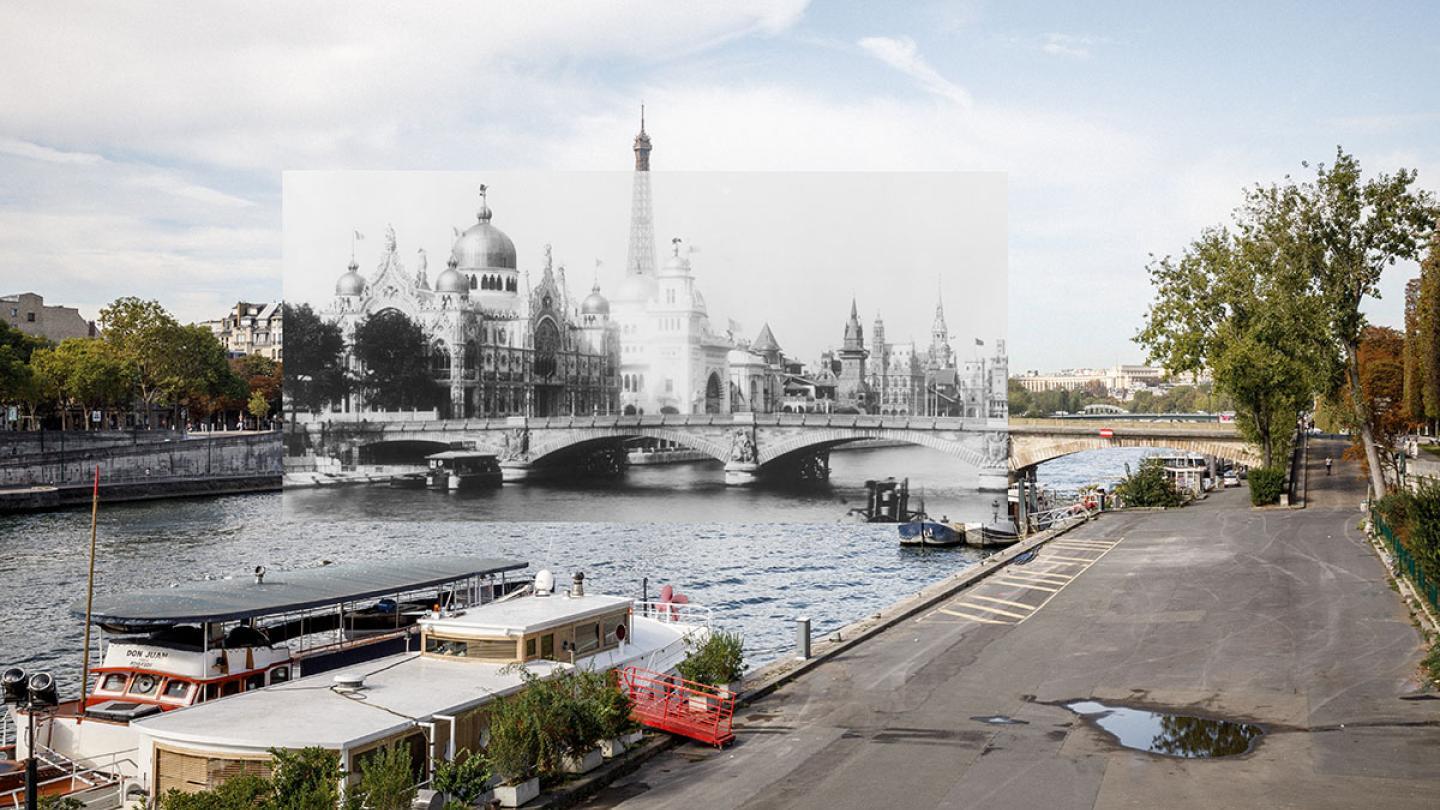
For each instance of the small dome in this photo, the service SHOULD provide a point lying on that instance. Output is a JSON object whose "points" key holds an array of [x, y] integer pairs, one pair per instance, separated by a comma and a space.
{"points": [[452, 280], [483, 245], [595, 303], [350, 283], [676, 265]]}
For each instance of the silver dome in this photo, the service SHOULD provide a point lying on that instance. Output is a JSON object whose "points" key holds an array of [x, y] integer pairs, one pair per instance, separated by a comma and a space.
{"points": [[350, 283], [595, 303], [484, 246], [451, 280]]}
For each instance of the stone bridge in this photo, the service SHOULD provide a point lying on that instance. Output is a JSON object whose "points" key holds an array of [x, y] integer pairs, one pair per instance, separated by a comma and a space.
{"points": [[748, 444], [1034, 441]]}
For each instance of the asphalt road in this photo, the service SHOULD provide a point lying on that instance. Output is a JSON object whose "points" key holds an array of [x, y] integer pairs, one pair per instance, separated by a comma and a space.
{"points": [[1278, 617]]}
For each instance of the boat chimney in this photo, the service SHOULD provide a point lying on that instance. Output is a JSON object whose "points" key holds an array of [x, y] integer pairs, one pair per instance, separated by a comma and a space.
{"points": [[577, 589], [259, 575]]}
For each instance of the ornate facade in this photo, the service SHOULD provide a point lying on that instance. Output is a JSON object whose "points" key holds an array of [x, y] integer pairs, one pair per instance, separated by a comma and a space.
{"points": [[499, 346]]}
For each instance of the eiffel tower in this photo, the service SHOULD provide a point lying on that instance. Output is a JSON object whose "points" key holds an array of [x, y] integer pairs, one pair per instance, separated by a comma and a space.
{"points": [[641, 260]]}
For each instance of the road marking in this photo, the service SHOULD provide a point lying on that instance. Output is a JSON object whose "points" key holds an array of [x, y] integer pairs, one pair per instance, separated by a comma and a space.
{"points": [[1046, 579], [1030, 585], [1095, 544], [1001, 601], [987, 609], [1074, 560], [973, 618]]}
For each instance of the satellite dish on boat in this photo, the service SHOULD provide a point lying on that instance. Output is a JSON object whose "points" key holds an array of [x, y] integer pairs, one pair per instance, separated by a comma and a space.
{"points": [[349, 682], [544, 582]]}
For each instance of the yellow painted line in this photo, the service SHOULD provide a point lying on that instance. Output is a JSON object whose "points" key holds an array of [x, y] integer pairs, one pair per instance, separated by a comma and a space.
{"points": [[1095, 544], [1047, 599], [1030, 585], [972, 618], [987, 609], [1058, 579], [1001, 601]]}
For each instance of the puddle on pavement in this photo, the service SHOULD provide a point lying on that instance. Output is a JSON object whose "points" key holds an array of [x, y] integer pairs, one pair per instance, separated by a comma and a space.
{"points": [[1174, 735]]}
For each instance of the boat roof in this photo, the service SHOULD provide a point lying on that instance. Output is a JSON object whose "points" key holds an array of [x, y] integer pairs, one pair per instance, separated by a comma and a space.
{"points": [[284, 591], [529, 614], [447, 454]]}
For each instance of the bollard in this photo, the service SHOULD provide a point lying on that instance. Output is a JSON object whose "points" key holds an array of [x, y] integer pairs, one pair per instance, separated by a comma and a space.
{"points": [[802, 638]]}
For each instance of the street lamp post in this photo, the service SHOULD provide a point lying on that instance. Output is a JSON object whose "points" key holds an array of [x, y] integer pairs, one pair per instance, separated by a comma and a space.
{"points": [[34, 694]]}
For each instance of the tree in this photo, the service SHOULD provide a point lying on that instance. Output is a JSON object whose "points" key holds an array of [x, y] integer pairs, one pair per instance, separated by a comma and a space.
{"points": [[1344, 231], [387, 781], [194, 371], [1427, 332], [81, 373], [138, 330], [1382, 380], [314, 365], [258, 406], [391, 349], [1019, 398], [1233, 304], [1149, 486]]}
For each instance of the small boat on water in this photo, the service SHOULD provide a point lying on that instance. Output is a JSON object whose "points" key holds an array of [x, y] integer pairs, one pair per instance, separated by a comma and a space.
{"points": [[463, 470], [927, 533]]}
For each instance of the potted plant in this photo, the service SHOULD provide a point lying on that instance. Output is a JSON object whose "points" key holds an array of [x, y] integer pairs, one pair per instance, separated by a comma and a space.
{"points": [[613, 710], [464, 779], [718, 661], [570, 722], [514, 750]]}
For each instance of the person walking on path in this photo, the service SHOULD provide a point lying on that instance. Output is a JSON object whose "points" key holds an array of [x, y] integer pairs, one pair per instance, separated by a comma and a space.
{"points": [[1328, 462]]}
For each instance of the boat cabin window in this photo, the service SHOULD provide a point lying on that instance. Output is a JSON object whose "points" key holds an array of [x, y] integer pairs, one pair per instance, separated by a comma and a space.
{"points": [[587, 637], [114, 682], [547, 646], [279, 674], [144, 684], [176, 690], [255, 681], [482, 649], [529, 648], [229, 688]]}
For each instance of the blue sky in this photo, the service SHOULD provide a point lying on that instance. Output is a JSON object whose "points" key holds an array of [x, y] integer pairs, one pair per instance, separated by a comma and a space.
{"points": [[141, 144]]}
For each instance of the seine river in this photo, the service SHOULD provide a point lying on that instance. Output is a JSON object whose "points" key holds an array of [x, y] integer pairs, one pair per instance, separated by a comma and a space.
{"points": [[761, 557]]}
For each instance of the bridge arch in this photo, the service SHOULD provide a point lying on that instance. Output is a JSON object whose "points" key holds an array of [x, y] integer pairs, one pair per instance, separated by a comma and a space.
{"points": [[573, 439], [1027, 451], [811, 440]]}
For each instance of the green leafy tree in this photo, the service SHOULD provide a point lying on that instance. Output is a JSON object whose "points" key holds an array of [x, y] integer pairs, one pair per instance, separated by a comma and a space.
{"points": [[80, 373], [242, 792], [314, 366], [1149, 486], [718, 661], [464, 779], [1343, 231], [306, 778], [392, 350], [138, 330], [1427, 333], [387, 781], [1233, 304]]}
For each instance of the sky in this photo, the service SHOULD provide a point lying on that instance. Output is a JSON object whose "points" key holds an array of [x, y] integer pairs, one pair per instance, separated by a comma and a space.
{"points": [[788, 249], [142, 144]]}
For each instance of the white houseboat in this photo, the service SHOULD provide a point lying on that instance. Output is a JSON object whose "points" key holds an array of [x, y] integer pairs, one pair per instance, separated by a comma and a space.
{"points": [[172, 648]]}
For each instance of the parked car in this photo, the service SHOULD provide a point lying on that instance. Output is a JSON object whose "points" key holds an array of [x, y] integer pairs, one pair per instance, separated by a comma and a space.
{"points": [[1230, 479]]}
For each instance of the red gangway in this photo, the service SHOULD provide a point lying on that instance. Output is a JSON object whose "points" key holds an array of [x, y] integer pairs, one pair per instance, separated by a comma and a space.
{"points": [[671, 703]]}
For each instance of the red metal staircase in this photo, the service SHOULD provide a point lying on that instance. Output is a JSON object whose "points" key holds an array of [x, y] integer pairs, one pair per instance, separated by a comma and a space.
{"points": [[671, 703]]}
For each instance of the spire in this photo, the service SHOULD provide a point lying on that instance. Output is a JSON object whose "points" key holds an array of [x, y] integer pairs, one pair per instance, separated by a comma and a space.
{"points": [[483, 214], [641, 258], [854, 335]]}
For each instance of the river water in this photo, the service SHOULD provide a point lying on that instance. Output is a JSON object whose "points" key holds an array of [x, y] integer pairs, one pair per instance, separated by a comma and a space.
{"points": [[761, 557]]}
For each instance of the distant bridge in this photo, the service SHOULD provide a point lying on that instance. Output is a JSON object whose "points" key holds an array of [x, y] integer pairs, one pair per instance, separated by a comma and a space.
{"points": [[747, 444], [1035, 441]]}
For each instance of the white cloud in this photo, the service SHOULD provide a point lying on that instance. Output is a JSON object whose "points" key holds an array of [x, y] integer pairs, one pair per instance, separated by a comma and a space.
{"points": [[902, 54], [1072, 45]]}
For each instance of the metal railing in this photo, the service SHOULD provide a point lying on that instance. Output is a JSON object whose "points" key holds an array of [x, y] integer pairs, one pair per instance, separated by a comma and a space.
{"points": [[680, 613], [1405, 562]]}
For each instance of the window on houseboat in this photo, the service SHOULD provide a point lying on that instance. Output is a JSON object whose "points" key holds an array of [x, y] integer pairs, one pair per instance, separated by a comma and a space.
{"points": [[611, 625], [176, 690], [587, 636], [229, 688], [144, 684], [255, 681], [279, 674], [547, 646], [529, 648], [114, 682]]}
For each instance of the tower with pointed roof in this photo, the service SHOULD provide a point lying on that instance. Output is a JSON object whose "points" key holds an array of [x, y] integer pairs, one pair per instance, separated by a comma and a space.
{"points": [[640, 259], [854, 389], [941, 355]]}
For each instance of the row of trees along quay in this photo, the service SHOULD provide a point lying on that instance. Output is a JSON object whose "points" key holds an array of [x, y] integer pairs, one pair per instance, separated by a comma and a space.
{"points": [[1271, 303], [390, 351], [146, 370]]}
